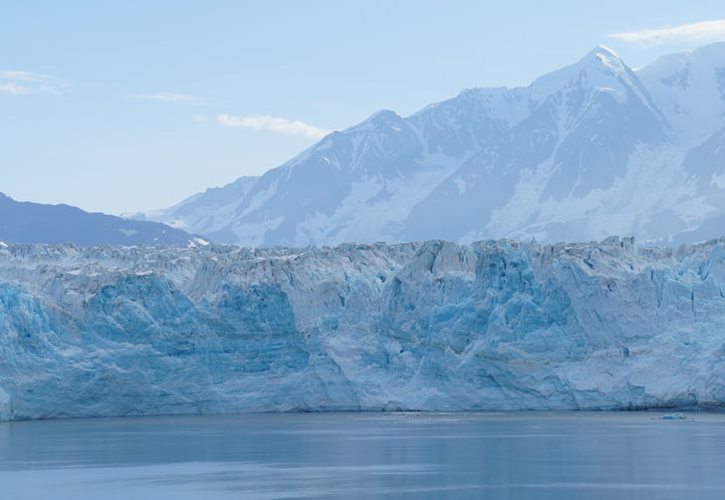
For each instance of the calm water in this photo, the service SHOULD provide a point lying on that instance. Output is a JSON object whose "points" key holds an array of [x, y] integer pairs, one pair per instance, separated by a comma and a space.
{"points": [[497, 456]]}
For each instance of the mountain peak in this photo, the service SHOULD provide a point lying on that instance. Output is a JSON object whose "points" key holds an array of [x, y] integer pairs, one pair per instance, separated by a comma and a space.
{"points": [[601, 55], [707, 56], [384, 115], [603, 50], [716, 49], [601, 69], [382, 118], [690, 89]]}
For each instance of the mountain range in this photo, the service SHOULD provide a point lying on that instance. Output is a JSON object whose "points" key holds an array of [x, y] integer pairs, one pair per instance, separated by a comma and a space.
{"points": [[588, 151], [25, 222]]}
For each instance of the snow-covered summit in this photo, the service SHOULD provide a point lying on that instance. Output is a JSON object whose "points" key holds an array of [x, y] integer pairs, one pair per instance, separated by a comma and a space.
{"points": [[689, 87], [600, 70]]}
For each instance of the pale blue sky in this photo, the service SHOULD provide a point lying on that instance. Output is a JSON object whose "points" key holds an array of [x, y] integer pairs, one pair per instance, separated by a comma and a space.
{"points": [[115, 106]]}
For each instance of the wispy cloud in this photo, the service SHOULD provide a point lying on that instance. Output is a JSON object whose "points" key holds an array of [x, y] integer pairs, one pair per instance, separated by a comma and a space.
{"points": [[273, 124], [706, 31], [13, 82], [168, 97]]}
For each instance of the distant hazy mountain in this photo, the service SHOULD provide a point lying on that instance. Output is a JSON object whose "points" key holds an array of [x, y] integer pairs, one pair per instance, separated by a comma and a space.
{"points": [[23, 222], [592, 150], [205, 212]]}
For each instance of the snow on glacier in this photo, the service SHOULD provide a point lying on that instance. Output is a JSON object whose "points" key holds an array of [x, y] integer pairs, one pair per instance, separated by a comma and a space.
{"points": [[421, 326]]}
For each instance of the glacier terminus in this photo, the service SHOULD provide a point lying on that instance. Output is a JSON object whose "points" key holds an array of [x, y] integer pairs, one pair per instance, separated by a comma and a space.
{"points": [[490, 325]]}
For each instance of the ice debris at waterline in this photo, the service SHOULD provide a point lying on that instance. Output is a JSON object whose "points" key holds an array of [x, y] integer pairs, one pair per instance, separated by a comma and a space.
{"points": [[422, 326], [673, 416]]}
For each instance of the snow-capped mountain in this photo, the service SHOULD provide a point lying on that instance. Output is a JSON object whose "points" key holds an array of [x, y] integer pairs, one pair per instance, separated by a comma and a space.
{"points": [[420, 326], [592, 150], [690, 89], [25, 222]]}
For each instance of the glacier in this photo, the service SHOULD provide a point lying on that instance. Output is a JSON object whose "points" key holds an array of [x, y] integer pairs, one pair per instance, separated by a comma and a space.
{"points": [[440, 326]]}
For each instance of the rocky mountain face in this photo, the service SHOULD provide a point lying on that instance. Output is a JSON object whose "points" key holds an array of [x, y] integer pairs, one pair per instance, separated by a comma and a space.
{"points": [[495, 325], [592, 150]]}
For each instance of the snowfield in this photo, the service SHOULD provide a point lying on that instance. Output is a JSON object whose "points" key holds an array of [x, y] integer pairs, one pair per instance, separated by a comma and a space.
{"points": [[494, 325]]}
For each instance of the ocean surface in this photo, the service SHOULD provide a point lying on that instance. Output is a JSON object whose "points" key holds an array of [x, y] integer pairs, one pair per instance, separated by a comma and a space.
{"points": [[345, 455]]}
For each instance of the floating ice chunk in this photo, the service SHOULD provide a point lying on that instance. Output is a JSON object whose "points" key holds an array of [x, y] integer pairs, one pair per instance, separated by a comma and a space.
{"points": [[673, 416]]}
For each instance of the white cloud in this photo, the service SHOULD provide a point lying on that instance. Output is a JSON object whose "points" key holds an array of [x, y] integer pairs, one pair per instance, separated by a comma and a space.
{"points": [[707, 31], [168, 97], [273, 124], [23, 76], [13, 88], [13, 82]]}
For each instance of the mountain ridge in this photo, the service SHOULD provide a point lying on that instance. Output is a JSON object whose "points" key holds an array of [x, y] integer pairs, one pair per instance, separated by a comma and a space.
{"points": [[28, 222]]}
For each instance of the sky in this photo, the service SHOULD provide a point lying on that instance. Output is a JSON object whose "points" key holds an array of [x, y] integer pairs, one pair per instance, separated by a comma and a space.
{"points": [[123, 106]]}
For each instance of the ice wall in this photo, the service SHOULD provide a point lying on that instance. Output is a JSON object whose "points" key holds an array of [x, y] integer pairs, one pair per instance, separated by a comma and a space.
{"points": [[426, 326]]}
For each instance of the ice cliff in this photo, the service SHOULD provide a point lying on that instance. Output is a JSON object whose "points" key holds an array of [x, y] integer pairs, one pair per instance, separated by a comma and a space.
{"points": [[423, 326]]}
